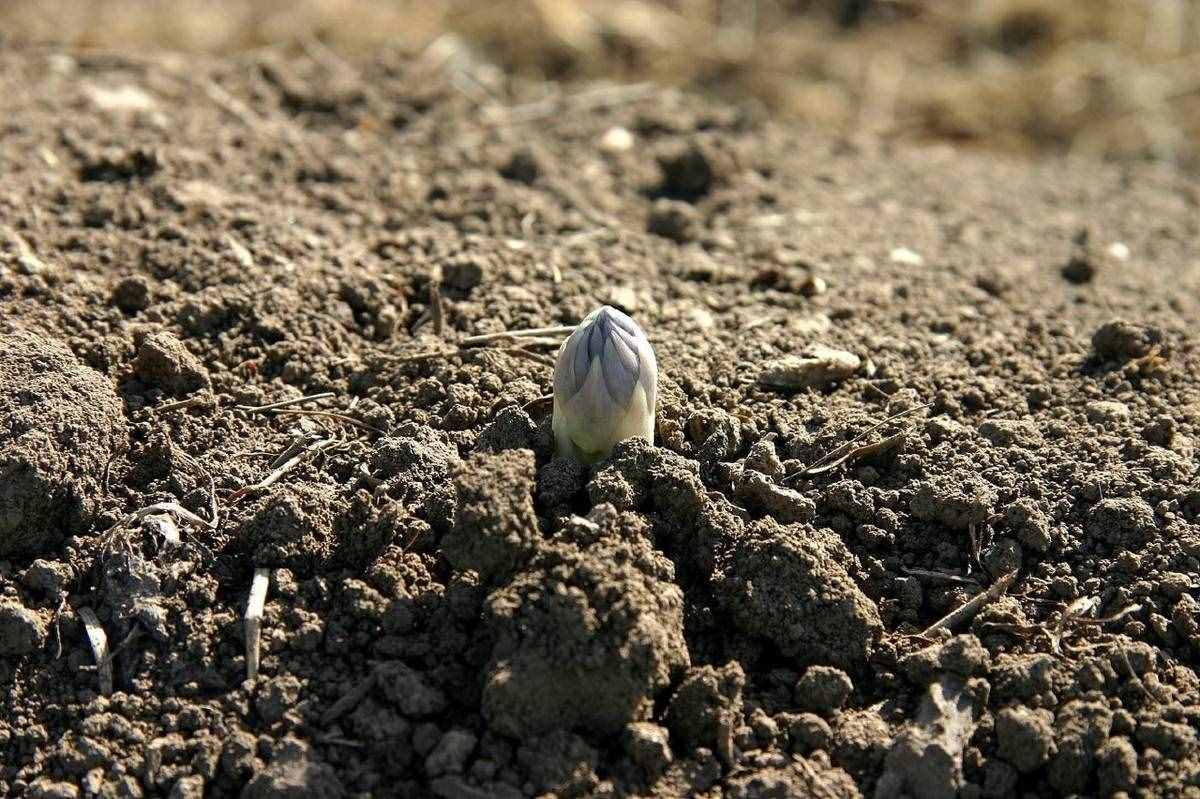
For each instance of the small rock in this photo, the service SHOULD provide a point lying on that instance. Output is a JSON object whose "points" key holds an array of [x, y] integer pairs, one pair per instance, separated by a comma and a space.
{"points": [[164, 362], [903, 255], [823, 689], [813, 286], [691, 172], [22, 631], [451, 753], [807, 731], [616, 140], [1119, 250], [464, 272], [1110, 411], [190, 787], [1025, 737], [43, 788], [48, 577], [132, 294], [1079, 269], [646, 745], [674, 220], [1122, 341], [523, 167], [125, 98], [817, 366]]}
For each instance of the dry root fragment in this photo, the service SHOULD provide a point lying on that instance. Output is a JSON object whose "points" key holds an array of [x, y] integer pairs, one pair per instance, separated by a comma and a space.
{"points": [[254, 614], [965, 612], [99, 642]]}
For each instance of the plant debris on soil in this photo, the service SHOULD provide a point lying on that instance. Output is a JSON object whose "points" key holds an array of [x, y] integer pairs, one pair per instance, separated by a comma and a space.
{"points": [[949, 546]]}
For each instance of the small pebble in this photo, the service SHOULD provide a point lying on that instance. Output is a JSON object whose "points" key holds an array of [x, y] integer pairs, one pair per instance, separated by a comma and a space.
{"points": [[616, 140], [903, 255]]}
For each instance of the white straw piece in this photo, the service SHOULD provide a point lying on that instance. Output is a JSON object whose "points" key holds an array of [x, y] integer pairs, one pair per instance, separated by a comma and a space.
{"points": [[99, 643], [254, 614]]}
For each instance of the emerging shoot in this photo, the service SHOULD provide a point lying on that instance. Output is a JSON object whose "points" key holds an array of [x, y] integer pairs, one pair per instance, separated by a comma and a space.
{"points": [[605, 386]]}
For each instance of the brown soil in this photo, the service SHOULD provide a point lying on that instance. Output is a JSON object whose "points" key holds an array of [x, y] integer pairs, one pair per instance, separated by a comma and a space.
{"points": [[452, 611]]}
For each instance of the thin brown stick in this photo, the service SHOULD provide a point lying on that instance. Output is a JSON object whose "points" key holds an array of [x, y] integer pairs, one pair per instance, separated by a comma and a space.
{"points": [[329, 415], [183, 403], [283, 469], [968, 609], [936, 575], [285, 403], [536, 357], [848, 446], [483, 338], [581, 101], [425, 356]]}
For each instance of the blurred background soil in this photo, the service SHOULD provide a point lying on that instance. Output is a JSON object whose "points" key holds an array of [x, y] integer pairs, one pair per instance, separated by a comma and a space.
{"points": [[1107, 78]]}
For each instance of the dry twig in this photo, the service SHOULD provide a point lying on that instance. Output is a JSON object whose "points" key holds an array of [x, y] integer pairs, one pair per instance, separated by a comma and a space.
{"points": [[484, 338], [968, 609], [283, 468], [284, 403], [847, 451]]}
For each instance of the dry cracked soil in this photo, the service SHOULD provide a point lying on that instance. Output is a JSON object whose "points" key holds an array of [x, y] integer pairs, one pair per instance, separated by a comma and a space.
{"points": [[922, 515]]}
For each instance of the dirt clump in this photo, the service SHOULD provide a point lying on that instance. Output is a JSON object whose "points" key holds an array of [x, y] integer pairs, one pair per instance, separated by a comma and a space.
{"points": [[788, 585], [1120, 340], [165, 363], [823, 689], [605, 620], [293, 771], [21, 630], [495, 527], [292, 528], [61, 422]]}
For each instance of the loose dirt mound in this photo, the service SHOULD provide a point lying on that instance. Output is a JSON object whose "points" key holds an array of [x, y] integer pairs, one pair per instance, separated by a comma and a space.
{"points": [[747, 607]]}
